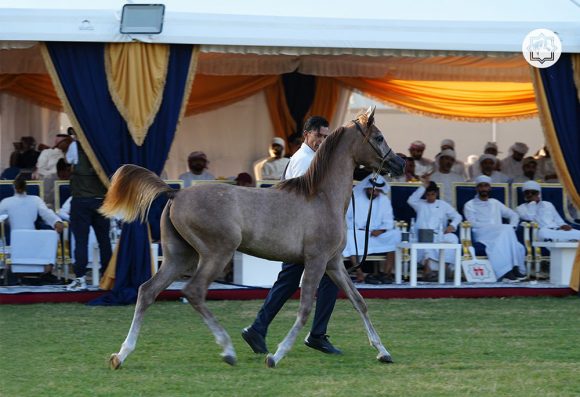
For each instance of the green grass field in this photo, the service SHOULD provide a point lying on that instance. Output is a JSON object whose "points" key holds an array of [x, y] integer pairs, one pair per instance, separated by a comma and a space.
{"points": [[509, 347]]}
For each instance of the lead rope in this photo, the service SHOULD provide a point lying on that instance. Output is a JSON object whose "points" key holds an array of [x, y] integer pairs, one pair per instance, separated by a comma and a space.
{"points": [[367, 226]]}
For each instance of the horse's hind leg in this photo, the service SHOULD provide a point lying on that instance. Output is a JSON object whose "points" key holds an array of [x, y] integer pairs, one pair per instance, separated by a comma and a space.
{"points": [[195, 291], [148, 291], [312, 275], [339, 275]]}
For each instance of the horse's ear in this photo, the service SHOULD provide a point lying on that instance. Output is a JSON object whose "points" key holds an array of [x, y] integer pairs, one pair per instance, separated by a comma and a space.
{"points": [[370, 113]]}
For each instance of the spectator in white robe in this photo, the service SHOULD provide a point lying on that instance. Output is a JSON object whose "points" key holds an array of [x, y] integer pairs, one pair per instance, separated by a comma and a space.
{"points": [[436, 215], [197, 162], [512, 165], [551, 225], [272, 168], [487, 167], [458, 166], [22, 210], [383, 236], [46, 166], [444, 175], [422, 165], [485, 214], [530, 171], [546, 167], [474, 169]]}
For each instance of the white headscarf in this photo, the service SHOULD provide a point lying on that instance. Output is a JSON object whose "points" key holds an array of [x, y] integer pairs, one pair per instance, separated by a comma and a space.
{"points": [[482, 179], [532, 185]]}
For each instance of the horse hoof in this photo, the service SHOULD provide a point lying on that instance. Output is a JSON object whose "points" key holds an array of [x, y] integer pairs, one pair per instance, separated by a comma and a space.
{"points": [[270, 362], [231, 360], [114, 361], [385, 358]]}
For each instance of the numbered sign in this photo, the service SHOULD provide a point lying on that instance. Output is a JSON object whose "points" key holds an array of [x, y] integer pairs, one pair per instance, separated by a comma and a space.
{"points": [[478, 271]]}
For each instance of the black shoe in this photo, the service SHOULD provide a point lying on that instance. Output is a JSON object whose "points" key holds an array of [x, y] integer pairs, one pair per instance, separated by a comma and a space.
{"points": [[372, 279], [509, 277], [255, 340], [321, 343], [385, 278], [519, 275]]}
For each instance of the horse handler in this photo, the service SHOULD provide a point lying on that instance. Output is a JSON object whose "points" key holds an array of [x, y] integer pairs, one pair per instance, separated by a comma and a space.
{"points": [[315, 131]]}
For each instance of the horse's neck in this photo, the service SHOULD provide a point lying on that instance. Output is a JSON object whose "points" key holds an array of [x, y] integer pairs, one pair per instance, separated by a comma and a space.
{"points": [[337, 184]]}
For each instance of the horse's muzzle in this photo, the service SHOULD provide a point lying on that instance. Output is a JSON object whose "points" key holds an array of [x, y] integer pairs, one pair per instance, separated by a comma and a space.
{"points": [[395, 164]]}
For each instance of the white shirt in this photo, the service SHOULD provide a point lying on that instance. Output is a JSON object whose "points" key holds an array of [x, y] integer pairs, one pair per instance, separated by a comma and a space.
{"points": [[22, 211], [424, 166], [299, 162], [46, 163], [432, 215], [544, 213], [72, 154], [189, 177], [381, 217], [490, 212], [270, 168], [447, 181], [512, 168]]}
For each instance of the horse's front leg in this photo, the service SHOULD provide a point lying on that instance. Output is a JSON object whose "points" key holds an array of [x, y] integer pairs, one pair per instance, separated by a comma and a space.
{"points": [[337, 272], [313, 272]]}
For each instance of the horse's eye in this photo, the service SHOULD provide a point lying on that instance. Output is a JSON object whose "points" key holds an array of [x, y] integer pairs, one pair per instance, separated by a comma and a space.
{"points": [[379, 138]]}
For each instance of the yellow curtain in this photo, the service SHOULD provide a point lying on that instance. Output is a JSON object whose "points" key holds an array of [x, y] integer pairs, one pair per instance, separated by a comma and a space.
{"points": [[280, 116], [36, 88], [455, 100], [136, 75], [213, 92], [325, 98]]}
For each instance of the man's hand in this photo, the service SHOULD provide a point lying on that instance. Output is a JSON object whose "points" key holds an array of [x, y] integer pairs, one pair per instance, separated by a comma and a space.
{"points": [[378, 232], [566, 227], [59, 227], [449, 229]]}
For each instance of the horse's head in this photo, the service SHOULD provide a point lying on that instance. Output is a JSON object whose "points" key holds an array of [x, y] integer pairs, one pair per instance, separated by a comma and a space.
{"points": [[373, 151]]}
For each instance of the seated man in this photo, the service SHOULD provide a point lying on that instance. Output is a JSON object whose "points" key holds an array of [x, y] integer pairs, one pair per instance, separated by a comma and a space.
{"points": [[383, 237], [529, 169], [551, 224], [485, 214], [436, 215], [197, 163], [487, 165], [22, 211], [272, 168], [445, 175]]}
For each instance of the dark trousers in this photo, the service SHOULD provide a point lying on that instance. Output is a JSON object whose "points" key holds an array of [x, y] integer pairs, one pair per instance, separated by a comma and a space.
{"points": [[284, 287], [84, 214]]}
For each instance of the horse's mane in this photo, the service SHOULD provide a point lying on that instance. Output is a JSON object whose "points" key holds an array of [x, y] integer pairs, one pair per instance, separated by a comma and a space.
{"points": [[308, 183]]}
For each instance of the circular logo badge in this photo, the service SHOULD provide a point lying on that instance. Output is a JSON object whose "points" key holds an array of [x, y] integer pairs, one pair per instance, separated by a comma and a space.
{"points": [[542, 48]]}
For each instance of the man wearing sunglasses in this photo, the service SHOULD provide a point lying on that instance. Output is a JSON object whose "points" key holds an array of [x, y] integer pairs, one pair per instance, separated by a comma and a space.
{"points": [[551, 225]]}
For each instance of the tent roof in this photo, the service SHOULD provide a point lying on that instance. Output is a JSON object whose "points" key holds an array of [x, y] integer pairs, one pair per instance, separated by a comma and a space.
{"points": [[448, 25]]}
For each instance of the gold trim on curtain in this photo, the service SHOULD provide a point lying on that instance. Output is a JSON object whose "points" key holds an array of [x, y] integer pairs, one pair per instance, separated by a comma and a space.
{"points": [[576, 72], [37, 88], [558, 158], [325, 98], [453, 100], [72, 117], [136, 75], [280, 116], [213, 92]]}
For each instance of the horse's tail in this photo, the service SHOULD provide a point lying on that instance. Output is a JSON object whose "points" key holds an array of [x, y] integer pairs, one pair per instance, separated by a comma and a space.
{"points": [[132, 191]]}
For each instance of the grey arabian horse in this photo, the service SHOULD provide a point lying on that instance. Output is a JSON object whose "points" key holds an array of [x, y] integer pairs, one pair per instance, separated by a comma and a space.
{"points": [[202, 226]]}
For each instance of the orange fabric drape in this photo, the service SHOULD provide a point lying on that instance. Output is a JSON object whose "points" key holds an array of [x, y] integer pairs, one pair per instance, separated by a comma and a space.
{"points": [[325, 98], [213, 92], [455, 100], [36, 88], [280, 115]]}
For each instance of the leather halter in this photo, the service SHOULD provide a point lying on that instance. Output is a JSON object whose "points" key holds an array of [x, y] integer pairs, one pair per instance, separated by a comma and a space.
{"points": [[368, 139]]}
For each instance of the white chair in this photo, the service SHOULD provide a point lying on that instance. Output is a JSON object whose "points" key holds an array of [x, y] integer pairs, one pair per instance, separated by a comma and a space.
{"points": [[32, 250]]}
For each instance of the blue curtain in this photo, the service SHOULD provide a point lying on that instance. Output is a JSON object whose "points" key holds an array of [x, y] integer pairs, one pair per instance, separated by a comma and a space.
{"points": [[81, 70], [562, 96]]}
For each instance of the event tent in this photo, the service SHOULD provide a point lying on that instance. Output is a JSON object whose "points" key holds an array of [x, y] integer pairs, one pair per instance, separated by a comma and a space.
{"points": [[418, 55]]}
